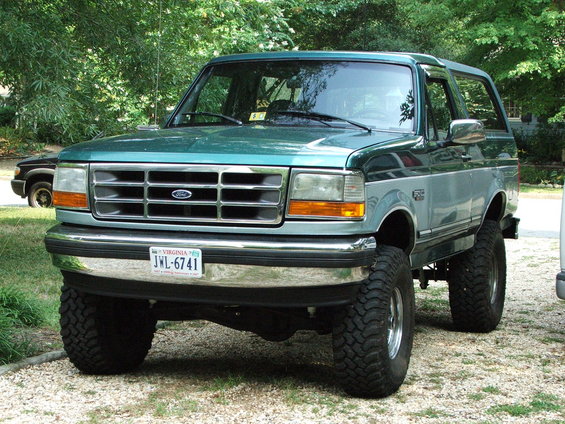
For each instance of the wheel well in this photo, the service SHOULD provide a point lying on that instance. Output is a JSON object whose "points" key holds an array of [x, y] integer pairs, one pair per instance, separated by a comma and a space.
{"points": [[496, 208], [397, 230], [36, 179]]}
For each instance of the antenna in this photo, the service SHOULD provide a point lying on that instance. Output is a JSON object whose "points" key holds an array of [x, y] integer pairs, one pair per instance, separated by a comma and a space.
{"points": [[158, 62], [365, 25]]}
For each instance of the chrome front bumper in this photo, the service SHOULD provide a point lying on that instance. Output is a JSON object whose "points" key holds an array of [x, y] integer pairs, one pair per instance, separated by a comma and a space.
{"points": [[249, 261]]}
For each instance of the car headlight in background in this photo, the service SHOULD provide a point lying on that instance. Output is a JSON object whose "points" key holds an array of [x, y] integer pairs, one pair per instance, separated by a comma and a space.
{"points": [[70, 186], [327, 195]]}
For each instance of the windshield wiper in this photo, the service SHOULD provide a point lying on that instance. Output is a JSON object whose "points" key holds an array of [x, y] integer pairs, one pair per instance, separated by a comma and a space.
{"points": [[322, 117], [217, 115]]}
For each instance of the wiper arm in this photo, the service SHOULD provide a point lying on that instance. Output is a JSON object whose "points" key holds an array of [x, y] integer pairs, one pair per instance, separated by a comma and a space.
{"points": [[217, 115], [322, 117]]}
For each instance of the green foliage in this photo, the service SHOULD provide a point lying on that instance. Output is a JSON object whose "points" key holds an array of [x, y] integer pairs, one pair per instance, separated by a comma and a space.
{"points": [[535, 175], [82, 67], [369, 25], [76, 68], [29, 289], [545, 145], [26, 265], [17, 141], [7, 116], [542, 402], [10, 349], [16, 310], [19, 307], [521, 44]]}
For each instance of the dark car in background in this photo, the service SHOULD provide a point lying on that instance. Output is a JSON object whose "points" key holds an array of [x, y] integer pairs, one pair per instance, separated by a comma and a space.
{"points": [[33, 178]]}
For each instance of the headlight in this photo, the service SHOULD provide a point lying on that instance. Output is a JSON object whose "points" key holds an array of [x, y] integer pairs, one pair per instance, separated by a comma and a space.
{"points": [[70, 186], [17, 171], [327, 195]]}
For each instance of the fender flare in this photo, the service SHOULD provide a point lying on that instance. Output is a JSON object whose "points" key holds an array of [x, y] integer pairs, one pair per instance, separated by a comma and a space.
{"points": [[392, 202]]}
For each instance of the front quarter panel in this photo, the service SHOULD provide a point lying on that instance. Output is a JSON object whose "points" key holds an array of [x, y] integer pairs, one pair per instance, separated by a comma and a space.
{"points": [[383, 200]]}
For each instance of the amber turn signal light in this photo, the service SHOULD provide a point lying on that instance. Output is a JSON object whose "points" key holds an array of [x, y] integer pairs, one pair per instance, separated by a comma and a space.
{"points": [[335, 209], [66, 199]]}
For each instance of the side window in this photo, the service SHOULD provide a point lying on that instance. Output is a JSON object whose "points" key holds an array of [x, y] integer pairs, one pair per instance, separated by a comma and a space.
{"points": [[439, 109], [480, 103]]}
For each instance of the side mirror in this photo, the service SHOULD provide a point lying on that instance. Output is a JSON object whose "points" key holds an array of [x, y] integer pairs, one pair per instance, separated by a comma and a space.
{"points": [[466, 131]]}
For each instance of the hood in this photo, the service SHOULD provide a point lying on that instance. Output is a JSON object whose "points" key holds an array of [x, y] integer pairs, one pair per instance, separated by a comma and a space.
{"points": [[250, 145], [47, 159]]}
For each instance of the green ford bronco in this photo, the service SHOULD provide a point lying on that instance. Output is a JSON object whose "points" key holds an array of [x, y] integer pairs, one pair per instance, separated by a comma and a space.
{"points": [[292, 191]]}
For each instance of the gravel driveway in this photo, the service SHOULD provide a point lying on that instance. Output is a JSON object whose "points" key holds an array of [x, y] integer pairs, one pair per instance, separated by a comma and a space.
{"points": [[201, 373]]}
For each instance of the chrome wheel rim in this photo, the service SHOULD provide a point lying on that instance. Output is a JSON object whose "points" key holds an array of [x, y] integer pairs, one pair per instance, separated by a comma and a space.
{"points": [[493, 280], [395, 323]]}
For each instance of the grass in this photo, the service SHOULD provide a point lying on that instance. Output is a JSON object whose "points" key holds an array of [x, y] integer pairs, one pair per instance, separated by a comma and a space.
{"points": [[542, 402], [491, 389], [29, 284], [430, 413], [540, 190], [433, 299], [17, 311], [221, 384]]}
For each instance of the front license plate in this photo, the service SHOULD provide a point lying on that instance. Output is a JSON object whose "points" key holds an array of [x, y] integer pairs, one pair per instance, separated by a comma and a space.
{"points": [[176, 261]]}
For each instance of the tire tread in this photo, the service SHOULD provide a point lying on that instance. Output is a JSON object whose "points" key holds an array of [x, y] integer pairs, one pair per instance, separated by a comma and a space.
{"points": [[469, 289], [359, 342]]}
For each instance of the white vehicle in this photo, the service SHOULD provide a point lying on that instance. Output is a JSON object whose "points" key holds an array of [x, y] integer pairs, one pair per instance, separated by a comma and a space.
{"points": [[560, 282]]}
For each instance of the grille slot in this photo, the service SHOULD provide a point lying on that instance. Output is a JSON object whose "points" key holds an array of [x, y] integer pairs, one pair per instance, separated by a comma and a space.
{"points": [[176, 177], [202, 193]]}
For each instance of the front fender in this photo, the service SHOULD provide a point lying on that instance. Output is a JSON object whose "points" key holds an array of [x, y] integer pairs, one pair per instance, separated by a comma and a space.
{"points": [[380, 208]]}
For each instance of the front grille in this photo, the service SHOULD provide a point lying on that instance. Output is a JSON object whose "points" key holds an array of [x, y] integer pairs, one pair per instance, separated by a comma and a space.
{"points": [[204, 194]]}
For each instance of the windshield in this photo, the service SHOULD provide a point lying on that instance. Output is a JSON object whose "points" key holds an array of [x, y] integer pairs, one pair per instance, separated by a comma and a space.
{"points": [[332, 93]]}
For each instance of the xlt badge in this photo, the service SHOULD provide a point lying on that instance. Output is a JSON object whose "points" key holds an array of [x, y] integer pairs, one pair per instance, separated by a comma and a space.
{"points": [[418, 194]]}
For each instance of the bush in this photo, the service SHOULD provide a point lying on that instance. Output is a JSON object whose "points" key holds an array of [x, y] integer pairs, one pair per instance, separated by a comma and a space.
{"points": [[7, 116], [49, 133], [530, 174], [17, 306], [545, 145], [14, 142], [16, 311]]}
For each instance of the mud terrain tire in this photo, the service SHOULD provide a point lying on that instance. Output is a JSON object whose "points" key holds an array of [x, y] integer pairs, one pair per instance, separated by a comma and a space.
{"points": [[105, 335], [372, 338], [477, 282]]}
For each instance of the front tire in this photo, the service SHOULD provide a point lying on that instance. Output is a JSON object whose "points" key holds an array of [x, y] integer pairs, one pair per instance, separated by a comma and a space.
{"points": [[372, 338], [40, 195], [105, 335], [477, 282]]}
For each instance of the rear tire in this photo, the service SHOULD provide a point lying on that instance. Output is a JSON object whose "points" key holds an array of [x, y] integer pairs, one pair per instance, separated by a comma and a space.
{"points": [[477, 282], [105, 335], [372, 338], [40, 195]]}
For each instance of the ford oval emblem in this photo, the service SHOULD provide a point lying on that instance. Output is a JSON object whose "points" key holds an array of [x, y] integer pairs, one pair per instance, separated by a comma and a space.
{"points": [[181, 194]]}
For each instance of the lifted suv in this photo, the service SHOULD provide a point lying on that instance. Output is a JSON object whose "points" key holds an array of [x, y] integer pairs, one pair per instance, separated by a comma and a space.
{"points": [[287, 191]]}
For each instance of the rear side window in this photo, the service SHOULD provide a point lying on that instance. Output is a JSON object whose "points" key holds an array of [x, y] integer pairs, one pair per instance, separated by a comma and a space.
{"points": [[480, 102]]}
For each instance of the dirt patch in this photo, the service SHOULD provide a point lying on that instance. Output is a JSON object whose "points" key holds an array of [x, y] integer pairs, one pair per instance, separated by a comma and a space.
{"points": [[201, 372]]}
